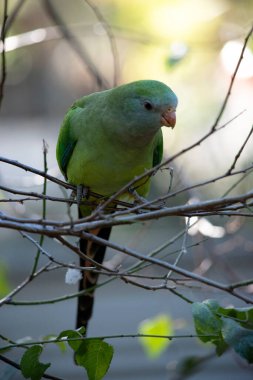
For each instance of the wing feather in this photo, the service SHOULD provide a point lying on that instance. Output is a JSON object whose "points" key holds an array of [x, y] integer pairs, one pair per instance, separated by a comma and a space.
{"points": [[66, 142], [158, 150]]}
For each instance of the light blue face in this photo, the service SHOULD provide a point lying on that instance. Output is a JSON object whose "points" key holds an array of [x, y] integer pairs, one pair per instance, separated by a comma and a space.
{"points": [[142, 106]]}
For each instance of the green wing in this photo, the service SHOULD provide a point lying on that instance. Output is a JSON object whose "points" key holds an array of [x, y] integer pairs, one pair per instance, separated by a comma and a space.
{"points": [[66, 142], [158, 151]]}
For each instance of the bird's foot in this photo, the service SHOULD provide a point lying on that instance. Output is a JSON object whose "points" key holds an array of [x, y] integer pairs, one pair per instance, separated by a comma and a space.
{"points": [[79, 193]]}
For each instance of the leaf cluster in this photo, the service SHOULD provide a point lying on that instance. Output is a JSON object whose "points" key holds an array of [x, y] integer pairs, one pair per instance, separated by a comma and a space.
{"points": [[225, 327]]}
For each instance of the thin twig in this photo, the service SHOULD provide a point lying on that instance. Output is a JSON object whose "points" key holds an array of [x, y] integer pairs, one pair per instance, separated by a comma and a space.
{"points": [[224, 104], [14, 14], [111, 39], [80, 253], [241, 284], [163, 286], [2, 43], [38, 172], [9, 296], [140, 265], [74, 44], [44, 204], [236, 183], [51, 258], [183, 249], [32, 196], [240, 152]]}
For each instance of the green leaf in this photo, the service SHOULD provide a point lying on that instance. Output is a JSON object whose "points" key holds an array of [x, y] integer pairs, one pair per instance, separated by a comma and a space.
{"points": [[160, 325], [72, 334], [212, 304], [240, 338], [244, 316], [208, 323], [30, 366], [95, 356]]}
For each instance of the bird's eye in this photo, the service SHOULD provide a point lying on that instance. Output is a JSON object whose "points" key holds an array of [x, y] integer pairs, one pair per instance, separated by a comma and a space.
{"points": [[148, 106]]}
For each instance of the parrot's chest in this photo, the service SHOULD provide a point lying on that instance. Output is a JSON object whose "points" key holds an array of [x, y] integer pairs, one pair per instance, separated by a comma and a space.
{"points": [[107, 169]]}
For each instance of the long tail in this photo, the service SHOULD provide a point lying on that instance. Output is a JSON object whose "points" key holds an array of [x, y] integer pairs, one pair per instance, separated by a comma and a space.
{"points": [[89, 280]]}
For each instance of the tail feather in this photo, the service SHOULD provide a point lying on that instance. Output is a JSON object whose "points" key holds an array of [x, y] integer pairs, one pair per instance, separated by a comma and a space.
{"points": [[89, 280]]}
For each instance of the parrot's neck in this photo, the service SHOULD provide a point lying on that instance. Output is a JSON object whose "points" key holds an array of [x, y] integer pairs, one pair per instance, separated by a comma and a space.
{"points": [[132, 135]]}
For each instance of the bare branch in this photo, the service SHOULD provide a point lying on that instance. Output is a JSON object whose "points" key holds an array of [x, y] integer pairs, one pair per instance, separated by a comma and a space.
{"points": [[35, 196], [81, 254], [74, 44], [2, 43], [183, 250], [111, 39], [36, 260], [9, 296], [14, 14], [241, 284], [38, 172], [224, 104], [239, 152]]}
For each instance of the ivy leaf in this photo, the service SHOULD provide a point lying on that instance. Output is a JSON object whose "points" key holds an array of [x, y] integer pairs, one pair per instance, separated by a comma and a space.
{"points": [[160, 325], [30, 366], [244, 316], [212, 304], [240, 338], [95, 356], [207, 322]]}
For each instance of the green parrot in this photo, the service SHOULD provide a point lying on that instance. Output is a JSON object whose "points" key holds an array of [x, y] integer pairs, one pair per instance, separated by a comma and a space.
{"points": [[107, 139]]}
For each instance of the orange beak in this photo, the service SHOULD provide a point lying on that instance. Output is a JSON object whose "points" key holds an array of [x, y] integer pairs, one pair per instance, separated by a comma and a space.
{"points": [[168, 118]]}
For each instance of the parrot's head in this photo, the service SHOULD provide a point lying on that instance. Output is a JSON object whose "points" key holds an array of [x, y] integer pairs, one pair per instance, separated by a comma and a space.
{"points": [[143, 107]]}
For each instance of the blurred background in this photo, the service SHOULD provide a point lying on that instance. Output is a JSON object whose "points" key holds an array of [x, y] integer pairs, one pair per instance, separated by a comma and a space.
{"points": [[191, 45]]}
